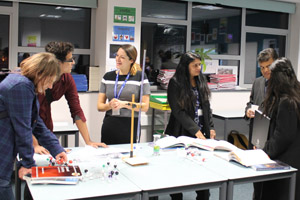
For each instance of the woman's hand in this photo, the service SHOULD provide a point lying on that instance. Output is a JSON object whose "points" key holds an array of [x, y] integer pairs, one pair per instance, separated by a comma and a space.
{"points": [[212, 134], [41, 150], [23, 171], [96, 144], [200, 135], [61, 157]]}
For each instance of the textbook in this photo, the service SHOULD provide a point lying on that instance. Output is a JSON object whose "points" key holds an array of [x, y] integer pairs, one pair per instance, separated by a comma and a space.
{"points": [[278, 165], [247, 158], [69, 175], [185, 141]]}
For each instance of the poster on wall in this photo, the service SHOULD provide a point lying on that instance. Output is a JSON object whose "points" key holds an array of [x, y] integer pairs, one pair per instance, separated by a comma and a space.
{"points": [[124, 15], [31, 41], [113, 48], [211, 66], [123, 33]]}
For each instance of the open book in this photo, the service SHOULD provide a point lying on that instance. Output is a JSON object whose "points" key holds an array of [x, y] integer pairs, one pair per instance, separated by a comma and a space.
{"points": [[247, 158], [68, 175], [185, 141]]}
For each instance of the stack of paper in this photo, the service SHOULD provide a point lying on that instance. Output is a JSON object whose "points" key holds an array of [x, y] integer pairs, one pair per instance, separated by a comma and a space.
{"points": [[224, 81], [164, 77], [94, 78]]}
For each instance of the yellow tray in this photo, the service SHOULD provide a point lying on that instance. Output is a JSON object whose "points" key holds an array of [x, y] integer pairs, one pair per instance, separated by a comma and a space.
{"points": [[159, 106]]}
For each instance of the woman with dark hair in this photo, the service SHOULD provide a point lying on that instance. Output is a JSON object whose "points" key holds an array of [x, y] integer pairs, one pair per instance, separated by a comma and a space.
{"points": [[282, 104], [118, 86], [188, 96]]}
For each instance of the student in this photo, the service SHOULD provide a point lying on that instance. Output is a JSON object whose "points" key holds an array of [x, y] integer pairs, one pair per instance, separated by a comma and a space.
{"points": [[19, 117], [265, 58], [117, 87], [282, 104], [188, 96], [65, 86]]}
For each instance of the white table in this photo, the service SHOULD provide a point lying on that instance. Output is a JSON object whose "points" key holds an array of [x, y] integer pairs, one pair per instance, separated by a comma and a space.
{"points": [[169, 173], [65, 129], [227, 115], [238, 174]]}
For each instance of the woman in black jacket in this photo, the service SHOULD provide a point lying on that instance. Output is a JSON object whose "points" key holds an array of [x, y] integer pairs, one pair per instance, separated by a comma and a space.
{"points": [[282, 104], [188, 96]]}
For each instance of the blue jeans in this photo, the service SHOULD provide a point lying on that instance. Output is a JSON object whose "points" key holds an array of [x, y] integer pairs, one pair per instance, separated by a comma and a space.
{"points": [[6, 192]]}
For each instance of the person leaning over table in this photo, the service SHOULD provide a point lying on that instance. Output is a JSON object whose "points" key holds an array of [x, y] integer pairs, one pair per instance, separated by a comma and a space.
{"points": [[117, 87], [188, 97], [282, 104], [64, 86], [19, 118]]}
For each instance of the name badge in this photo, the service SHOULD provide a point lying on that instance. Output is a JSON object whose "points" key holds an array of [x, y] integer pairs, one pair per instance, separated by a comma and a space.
{"points": [[200, 112], [116, 112]]}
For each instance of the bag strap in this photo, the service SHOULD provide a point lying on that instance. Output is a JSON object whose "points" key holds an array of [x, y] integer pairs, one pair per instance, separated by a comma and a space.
{"points": [[241, 141]]}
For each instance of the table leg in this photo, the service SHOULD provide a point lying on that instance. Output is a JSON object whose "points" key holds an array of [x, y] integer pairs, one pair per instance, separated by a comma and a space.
{"points": [[153, 121], [165, 119], [145, 196], [222, 192], [77, 139], [225, 128], [292, 187], [229, 190]]}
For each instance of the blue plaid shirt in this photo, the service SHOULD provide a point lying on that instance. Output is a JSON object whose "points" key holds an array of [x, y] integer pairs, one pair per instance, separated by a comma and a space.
{"points": [[18, 99]]}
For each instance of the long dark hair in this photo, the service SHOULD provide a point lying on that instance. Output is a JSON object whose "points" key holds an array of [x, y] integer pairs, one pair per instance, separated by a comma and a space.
{"points": [[186, 98], [283, 83]]}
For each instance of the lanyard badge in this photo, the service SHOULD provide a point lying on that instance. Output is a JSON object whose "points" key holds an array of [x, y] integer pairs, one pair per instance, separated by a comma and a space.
{"points": [[117, 96]]}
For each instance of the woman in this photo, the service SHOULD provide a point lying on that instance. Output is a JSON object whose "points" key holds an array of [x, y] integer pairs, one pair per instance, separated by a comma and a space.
{"points": [[282, 104], [118, 86], [188, 96], [19, 117]]}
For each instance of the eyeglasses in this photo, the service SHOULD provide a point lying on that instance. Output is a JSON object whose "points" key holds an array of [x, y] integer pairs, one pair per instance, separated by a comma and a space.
{"points": [[70, 60]]}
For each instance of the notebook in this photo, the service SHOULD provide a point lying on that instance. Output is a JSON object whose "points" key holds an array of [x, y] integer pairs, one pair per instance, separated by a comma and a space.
{"points": [[260, 129]]}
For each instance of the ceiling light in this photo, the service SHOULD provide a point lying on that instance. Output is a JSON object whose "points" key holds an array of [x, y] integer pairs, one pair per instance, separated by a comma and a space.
{"points": [[208, 7], [51, 16], [67, 8]]}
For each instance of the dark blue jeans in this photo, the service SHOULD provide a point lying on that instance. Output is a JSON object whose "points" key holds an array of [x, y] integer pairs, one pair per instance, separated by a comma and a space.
{"points": [[6, 192]]}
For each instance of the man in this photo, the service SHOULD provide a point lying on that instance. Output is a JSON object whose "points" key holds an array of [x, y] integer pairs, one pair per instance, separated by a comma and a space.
{"points": [[65, 86], [265, 58]]}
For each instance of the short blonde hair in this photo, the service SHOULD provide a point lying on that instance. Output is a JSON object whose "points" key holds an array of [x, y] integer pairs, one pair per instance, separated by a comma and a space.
{"points": [[39, 67]]}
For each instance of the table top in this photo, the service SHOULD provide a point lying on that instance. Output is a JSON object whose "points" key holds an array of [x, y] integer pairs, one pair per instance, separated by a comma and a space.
{"points": [[171, 171], [168, 170], [235, 171], [228, 114], [64, 126]]}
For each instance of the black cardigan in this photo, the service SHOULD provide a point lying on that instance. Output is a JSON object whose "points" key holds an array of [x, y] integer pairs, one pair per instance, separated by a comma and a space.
{"points": [[181, 122], [284, 145]]}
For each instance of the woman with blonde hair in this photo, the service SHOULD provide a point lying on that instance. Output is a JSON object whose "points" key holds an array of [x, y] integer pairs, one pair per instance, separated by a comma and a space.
{"points": [[117, 87], [19, 117]]}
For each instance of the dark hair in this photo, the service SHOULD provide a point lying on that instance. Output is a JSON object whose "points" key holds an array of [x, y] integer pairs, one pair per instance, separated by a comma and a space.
{"points": [[266, 54], [59, 49], [186, 98], [283, 83], [131, 52]]}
